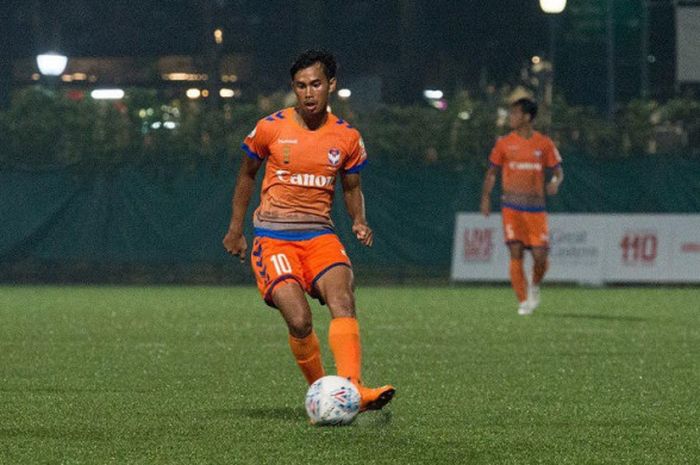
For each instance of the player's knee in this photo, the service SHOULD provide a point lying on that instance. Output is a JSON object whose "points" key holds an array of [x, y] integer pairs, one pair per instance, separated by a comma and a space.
{"points": [[342, 304], [299, 326]]}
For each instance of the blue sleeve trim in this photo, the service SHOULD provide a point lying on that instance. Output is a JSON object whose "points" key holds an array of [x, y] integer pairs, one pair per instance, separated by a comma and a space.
{"points": [[357, 169], [250, 153], [522, 208], [291, 235]]}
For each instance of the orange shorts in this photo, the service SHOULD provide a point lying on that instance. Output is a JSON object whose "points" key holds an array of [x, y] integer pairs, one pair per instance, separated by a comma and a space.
{"points": [[530, 228], [275, 261]]}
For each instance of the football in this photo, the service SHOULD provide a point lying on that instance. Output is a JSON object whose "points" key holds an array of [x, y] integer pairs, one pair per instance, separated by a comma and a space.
{"points": [[332, 400]]}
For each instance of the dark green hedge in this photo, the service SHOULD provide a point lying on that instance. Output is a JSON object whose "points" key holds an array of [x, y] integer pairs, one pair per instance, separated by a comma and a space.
{"points": [[44, 129]]}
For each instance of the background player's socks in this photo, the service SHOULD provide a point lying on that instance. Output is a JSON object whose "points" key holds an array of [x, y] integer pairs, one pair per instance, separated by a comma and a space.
{"points": [[517, 279], [344, 340], [538, 272], [307, 352]]}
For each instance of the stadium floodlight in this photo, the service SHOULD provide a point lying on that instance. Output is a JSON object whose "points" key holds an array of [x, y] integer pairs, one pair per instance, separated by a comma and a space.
{"points": [[433, 94], [107, 94], [344, 93], [51, 63], [553, 6], [193, 93], [226, 93]]}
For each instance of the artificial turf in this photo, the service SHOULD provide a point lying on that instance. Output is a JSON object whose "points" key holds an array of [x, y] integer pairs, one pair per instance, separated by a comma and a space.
{"points": [[203, 375]]}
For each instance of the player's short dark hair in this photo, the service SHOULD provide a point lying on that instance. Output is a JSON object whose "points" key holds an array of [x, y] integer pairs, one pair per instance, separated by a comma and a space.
{"points": [[311, 57], [526, 105]]}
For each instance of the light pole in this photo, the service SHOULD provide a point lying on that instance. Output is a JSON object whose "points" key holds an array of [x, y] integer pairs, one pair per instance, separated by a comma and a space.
{"points": [[644, 75], [610, 32], [552, 8]]}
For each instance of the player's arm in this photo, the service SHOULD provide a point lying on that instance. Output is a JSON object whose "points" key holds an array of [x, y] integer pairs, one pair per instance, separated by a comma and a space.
{"points": [[555, 181], [234, 241], [355, 204], [489, 183]]}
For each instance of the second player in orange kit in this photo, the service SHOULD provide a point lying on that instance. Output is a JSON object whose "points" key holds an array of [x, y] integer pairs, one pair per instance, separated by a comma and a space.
{"points": [[522, 157], [296, 250]]}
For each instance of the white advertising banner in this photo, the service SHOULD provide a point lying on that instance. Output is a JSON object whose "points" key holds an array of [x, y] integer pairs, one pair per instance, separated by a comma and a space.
{"points": [[587, 248], [479, 252], [577, 248], [654, 248]]}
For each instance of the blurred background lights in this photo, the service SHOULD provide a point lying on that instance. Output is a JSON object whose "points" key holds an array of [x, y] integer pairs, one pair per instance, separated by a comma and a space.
{"points": [[344, 93], [440, 104], [193, 93], [433, 94], [107, 94], [51, 64], [553, 6]]}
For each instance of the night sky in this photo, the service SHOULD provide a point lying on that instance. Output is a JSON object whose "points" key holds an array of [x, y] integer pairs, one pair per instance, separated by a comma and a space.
{"points": [[440, 43]]}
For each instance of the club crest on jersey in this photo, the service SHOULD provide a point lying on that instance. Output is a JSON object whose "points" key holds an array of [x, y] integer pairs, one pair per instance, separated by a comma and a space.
{"points": [[334, 156], [538, 153]]}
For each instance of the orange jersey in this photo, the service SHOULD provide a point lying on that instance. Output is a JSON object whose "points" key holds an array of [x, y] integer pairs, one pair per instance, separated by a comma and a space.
{"points": [[301, 170], [522, 163]]}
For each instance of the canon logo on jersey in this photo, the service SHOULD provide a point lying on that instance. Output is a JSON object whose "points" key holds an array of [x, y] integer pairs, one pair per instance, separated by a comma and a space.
{"points": [[304, 179], [525, 166]]}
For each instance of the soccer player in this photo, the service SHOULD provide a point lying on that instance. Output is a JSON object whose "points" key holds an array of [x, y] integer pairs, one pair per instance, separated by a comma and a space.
{"points": [[296, 250], [522, 157]]}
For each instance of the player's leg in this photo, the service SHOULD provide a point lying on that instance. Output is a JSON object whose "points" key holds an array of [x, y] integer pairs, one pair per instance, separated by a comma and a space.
{"points": [[515, 232], [279, 277], [290, 300], [335, 288], [539, 241], [517, 276], [539, 268]]}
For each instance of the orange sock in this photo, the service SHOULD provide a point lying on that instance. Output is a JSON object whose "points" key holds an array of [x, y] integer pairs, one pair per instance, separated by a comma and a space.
{"points": [[307, 352], [538, 272], [344, 339], [517, 279]]}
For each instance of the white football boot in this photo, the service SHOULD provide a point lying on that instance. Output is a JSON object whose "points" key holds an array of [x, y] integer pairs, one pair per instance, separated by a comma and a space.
{"points": [[533, 296], [524, 308]]}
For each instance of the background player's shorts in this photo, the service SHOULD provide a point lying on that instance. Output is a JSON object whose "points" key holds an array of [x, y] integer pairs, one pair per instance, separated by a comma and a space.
{"points": [[530, 228], [275, 261]]}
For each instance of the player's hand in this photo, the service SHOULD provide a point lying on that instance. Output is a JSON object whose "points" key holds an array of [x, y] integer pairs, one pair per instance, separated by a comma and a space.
{"points": [[485, 206], [552, 188], [235, 244], [363, 233]]}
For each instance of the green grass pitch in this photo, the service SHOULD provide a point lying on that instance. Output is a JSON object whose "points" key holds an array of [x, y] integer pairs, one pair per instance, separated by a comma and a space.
{"points": [[203, 375]]}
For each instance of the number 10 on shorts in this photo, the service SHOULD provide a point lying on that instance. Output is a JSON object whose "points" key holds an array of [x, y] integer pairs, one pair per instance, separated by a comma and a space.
{"points": [[281, 264]]}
